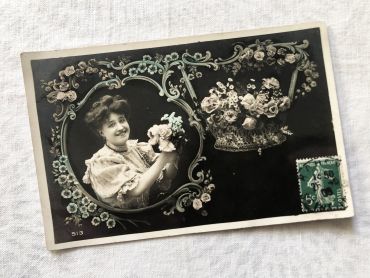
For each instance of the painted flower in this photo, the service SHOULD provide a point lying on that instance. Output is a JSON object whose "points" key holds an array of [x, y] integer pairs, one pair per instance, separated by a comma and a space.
{"points": [[281, 51], [152, 69], [197, 204], [62, 179], [259, 55], [90, 70], [70, 179], [197, 56], [85, 201], [315, 75], [63, 86], [230, 116], [174, 56], [249, 123], [281, 62], [76, 194], [142, 67], [247, 53], [85, 215], [313, 84], [132, 71], [66, 194], [167, 58], [210, 104], [205, 197], [270, 61], [72, 208], [147, 58], [69, 70], [284, 103], [211, 187], [82, 65], [247, 101], [111, 223], [95, 221], [71, 96], [79, 72], [104, 216], [271, 109], [56, 163], [271, 50], [198, 74], [271, 83], [63, 159], [290, 58], [62, 168], [61, 96], [92, 207], [161, 134], [166, 146], [83, 209]]}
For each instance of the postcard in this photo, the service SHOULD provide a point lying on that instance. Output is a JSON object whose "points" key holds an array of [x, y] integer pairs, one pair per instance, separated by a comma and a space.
{"points": [[186, 135]]}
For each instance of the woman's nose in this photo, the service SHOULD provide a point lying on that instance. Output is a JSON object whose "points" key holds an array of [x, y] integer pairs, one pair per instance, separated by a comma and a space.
{"points": [[120, 126]]}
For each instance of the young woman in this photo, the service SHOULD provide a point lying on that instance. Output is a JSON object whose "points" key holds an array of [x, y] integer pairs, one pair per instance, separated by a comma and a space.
{"points": [[123, 170]]}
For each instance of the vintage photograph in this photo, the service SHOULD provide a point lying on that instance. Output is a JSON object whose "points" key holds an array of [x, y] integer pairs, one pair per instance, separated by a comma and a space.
{"points": [[186, 135]]}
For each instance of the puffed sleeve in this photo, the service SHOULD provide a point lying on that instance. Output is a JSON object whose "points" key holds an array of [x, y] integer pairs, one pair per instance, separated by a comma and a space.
{"points": [[109, 176]]}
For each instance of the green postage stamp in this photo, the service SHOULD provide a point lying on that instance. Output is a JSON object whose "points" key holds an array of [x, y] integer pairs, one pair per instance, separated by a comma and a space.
{"points": [[320, 184]]}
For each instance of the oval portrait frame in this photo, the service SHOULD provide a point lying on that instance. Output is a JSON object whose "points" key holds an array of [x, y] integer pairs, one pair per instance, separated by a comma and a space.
{"points": [[192, 187]]}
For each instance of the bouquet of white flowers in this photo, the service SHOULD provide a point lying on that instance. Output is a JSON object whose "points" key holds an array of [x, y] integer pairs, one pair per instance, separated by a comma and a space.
{"points": [[168, 137]]}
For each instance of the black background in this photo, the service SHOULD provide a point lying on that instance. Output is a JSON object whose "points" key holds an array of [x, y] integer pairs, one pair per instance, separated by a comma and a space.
{"points": [[248, 186]]}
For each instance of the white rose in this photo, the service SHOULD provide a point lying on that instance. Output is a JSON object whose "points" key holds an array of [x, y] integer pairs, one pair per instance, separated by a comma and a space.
{"points": [[247, 101], [249, 123], [205, 197], [197, 204]]}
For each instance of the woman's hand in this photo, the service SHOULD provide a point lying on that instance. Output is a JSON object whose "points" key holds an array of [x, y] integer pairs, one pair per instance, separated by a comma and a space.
{"points": [[169, 156]]}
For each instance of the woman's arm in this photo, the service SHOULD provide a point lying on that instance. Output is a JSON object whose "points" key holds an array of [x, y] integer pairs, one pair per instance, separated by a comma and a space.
{"points": [[150, 176]]}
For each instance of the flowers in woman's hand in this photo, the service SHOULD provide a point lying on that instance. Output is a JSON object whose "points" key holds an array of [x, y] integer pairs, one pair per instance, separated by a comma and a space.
{"points": [[284, 103], [210, 104], [161, 135], [249, 123]]}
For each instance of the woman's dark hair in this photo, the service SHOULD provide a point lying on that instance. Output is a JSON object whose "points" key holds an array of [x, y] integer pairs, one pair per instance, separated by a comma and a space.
{"points": [[101, 109]]}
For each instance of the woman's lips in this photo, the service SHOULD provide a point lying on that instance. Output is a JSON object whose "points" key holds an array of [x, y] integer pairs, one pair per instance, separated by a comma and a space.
{"points": [[122, 133]]}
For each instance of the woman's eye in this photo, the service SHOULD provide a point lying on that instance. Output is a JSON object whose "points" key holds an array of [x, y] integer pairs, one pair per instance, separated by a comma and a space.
{"points": [[122, 120], [111, 125]]}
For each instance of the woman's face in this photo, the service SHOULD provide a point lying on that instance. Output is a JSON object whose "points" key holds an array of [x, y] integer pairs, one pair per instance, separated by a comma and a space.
{"points": [[116, 130]]}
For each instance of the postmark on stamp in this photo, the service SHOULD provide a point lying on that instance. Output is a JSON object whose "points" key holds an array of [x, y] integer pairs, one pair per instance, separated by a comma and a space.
{"points": [[320, 184]]}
